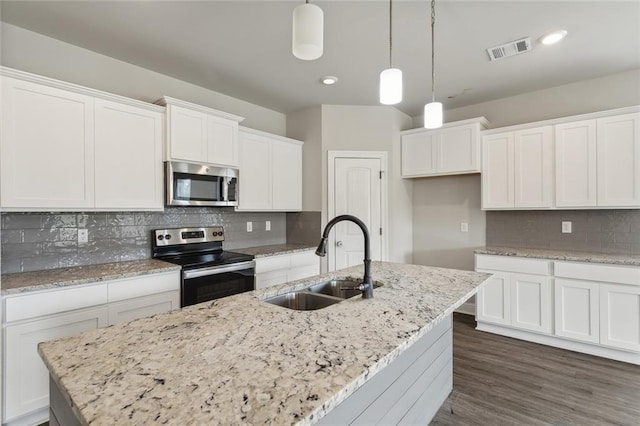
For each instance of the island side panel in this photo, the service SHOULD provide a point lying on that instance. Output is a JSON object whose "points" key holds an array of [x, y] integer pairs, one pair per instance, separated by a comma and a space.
{"points": [[60, 412], [412, 388]]}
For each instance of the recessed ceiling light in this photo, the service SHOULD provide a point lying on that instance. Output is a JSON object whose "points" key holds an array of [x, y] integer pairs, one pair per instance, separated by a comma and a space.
{"points": [[553, 37], [329, 80]]}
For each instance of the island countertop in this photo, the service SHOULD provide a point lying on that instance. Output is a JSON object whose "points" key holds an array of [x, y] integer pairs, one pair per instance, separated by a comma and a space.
{"points": [[240, 360]]}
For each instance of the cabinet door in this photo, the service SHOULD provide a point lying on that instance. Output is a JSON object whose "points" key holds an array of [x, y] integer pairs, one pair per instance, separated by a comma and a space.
{"points": [[142, 307], [255, 173], [533, 167], [222, 141], [620, 316], [286, 174], [419, 153], [46, 147], [531, 302], [576, 164], [187, 134], [267, 279], [576, 310], [494, 299], [618, 150], [497, 171], [459, 149], [128, 164], [26, 377]]}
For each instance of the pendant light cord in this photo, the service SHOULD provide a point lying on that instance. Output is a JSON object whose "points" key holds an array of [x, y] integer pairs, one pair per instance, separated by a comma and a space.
{"points": [[433, 54], [390, 32]]}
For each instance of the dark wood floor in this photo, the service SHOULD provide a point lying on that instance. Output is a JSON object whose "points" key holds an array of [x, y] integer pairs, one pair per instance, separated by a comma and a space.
{"points": [[502, 381]]}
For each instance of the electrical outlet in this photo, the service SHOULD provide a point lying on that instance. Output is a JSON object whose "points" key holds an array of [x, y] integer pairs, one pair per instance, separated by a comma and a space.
{"points": [[566, 227], [267, 225], [464, 227], [83, 235], [249, 226]]}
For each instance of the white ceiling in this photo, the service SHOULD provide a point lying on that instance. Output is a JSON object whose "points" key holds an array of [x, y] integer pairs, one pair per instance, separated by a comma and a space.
{"points": [[243, 48]]}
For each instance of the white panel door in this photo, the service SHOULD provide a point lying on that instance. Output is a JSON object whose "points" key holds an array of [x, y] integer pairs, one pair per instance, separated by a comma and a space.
{"points": [[26, 377], [358, 193], [577, 314], [143, 307], [128, 164], [222, 138], [493, 303], [620, 316], [576, 164], [286, 174], [531, 302], [497, 171], [533, 167], [419, 153], [458, 149], [188, 139], [618, 149], [255, 173], [46, 147]]}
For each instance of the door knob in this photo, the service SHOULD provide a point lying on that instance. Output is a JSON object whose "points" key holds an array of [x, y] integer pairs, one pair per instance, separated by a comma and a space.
{"points": [[339, 243]]}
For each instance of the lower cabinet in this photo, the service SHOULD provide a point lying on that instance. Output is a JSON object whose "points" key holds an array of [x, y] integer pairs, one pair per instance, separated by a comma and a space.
{"points": [[36, 317], [586, 307], [274, 270]]}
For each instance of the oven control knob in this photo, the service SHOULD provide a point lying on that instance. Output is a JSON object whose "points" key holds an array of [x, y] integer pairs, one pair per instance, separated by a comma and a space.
{"points": [[161, 237], [167, 237]]}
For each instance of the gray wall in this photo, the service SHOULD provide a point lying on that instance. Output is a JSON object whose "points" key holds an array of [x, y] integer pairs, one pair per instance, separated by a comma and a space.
{"points": [[32, 52], [35, 241], [599, 231], [439, 205]]}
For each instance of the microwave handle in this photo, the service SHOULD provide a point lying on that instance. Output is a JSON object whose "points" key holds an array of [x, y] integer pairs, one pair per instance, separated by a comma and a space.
{"points": [[225, 189]]}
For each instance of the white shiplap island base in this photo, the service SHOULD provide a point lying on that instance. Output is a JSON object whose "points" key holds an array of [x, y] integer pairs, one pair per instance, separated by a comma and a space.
{"points": [[240, 360]]}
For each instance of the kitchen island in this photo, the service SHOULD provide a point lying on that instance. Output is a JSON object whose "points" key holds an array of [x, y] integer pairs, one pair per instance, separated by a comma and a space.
{"points": [[241, 360]]}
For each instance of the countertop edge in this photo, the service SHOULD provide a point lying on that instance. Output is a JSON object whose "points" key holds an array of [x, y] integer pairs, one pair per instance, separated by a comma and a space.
{"points": [[571, 256]]}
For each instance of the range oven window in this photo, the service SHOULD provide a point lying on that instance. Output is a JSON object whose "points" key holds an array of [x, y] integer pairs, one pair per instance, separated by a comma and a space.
{"points": [[189, 187], [209, 287]]}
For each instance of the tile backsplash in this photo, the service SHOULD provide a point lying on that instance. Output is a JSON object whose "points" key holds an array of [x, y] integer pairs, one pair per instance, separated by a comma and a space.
{"points": [[35, 241], [599, 231]]}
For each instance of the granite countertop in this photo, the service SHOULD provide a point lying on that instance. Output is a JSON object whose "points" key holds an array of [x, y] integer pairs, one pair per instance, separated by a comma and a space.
{"points": [[276, 249], [52, 278], [240, 360], [573, 256]]}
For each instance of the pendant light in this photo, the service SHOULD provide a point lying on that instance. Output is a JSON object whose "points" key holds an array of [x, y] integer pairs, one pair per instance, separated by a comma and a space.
{"points": [[308, 32], [391, 78], [433, 110]]}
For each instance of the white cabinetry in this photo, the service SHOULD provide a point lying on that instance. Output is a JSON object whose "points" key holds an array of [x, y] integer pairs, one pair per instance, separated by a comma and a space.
{"points": [[576, 164], [279, 269], [576, 310], [620, 316], [200, 134], [517, 169], [270, 172], [454, 149], [513, 298], [69, 148], [38, 316]]}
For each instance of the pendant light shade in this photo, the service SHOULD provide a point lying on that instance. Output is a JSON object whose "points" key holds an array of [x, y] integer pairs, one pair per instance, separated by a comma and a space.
{"points": [[391, 86], [433, 115], [308, 32]]}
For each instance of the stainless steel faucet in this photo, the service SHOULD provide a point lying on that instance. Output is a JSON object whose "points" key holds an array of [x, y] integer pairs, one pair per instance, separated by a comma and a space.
{"points": [[367, 283]]}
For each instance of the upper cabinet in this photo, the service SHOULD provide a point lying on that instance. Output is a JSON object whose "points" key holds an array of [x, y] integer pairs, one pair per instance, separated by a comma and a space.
{"points": [[453, 149], [200, 134], [66, 147], [270, 172], [588, 163]]}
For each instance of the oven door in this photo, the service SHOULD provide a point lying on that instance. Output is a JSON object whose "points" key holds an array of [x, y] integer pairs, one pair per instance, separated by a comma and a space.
{"points": [[202, 285]]}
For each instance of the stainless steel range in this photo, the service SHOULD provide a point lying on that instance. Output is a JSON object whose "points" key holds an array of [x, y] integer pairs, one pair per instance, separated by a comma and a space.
{"points": [[208, 272]]}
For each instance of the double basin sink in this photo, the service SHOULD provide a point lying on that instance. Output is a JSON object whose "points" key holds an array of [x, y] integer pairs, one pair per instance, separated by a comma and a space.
{"points": [[320, 295]]}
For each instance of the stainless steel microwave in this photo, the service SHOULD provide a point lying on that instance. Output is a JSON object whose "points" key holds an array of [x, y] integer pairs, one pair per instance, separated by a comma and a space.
{"points": [[191, 184]]}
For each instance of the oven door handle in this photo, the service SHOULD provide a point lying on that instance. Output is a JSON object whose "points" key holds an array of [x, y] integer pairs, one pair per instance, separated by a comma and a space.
{"points": [[214, 270]]}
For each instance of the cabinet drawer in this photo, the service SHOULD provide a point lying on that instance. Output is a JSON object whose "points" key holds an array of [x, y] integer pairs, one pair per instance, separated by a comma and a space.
{"points": [[598, 272], [272, 263], [513, 264], [54, 301], [143, 286], [304, 259], [303, 272]]}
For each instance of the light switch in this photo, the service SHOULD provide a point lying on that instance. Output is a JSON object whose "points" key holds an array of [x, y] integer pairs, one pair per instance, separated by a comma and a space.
{"points": [[83, 235], [249, 226], [267, 225], [566, 227], [464, 226]]}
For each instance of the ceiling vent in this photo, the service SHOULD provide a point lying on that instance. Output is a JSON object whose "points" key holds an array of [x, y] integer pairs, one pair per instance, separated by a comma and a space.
{"points": [[509, 49]]}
